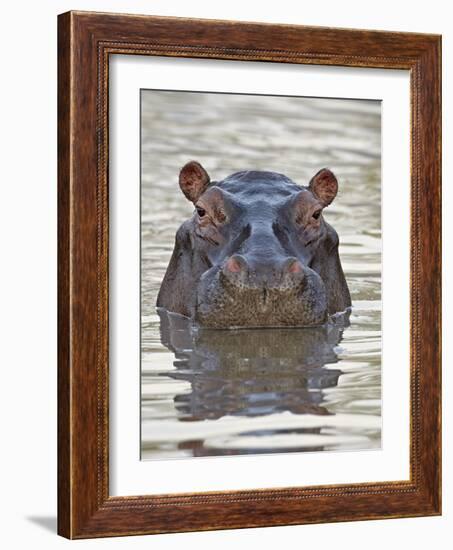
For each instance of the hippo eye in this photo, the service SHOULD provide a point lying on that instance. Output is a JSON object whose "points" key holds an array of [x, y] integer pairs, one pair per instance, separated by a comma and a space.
{"points": [[201, 211], [317, 214]]}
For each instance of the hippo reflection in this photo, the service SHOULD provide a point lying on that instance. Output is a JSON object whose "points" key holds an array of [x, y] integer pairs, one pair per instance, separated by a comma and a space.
{"points": [[257, 252], [250, 372]]}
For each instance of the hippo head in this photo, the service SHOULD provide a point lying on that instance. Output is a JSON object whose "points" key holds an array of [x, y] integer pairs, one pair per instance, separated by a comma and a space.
{"points": [[257, 252]]}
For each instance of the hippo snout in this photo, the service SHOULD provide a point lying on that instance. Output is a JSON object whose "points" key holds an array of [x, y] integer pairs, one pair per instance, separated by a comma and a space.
{"points": [[248, 274], [244, 293]]}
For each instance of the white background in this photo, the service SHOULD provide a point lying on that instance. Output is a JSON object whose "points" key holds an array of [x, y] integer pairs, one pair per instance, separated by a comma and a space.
{"points": [[129, 476], [28, 276]]}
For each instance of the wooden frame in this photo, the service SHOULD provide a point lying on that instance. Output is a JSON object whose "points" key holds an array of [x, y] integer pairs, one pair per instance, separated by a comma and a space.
{"points": [[85, 41]]}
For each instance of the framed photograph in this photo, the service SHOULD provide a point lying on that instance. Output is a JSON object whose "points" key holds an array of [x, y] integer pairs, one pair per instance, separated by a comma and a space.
{"points": [[249, 275]]}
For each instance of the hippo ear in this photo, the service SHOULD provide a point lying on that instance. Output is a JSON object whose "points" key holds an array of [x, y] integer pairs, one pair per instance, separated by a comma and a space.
{"points": [[324, 185], [193, 180]]}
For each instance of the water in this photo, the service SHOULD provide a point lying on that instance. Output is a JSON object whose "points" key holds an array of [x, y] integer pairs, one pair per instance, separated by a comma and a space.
{"points": [[211, 393]]}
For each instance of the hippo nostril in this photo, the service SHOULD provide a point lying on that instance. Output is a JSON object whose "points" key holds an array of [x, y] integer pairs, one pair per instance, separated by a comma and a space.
{"points": [[293, 266], [235, 264]]}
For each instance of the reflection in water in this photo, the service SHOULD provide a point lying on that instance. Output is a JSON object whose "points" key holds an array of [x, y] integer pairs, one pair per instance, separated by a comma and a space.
{"points": [[250, 372], [237, 392], [251, 391]]}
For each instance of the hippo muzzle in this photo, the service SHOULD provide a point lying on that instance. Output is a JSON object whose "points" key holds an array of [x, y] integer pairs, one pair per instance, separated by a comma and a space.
{"points": [[282, 294]]}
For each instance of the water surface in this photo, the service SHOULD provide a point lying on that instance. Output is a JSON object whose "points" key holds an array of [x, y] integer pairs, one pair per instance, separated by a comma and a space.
{"points": [[210, 393]]}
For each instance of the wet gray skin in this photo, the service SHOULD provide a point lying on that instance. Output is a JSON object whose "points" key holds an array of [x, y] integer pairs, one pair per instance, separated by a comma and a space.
{"points": [[251, 372], [257, 252]]}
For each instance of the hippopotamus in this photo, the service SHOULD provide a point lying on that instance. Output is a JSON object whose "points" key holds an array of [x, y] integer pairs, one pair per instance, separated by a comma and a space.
{"points": [[257, 252]]}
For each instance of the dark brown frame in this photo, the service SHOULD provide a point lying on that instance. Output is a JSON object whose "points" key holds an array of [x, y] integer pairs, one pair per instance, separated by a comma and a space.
{"points": [[85, 42]]}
